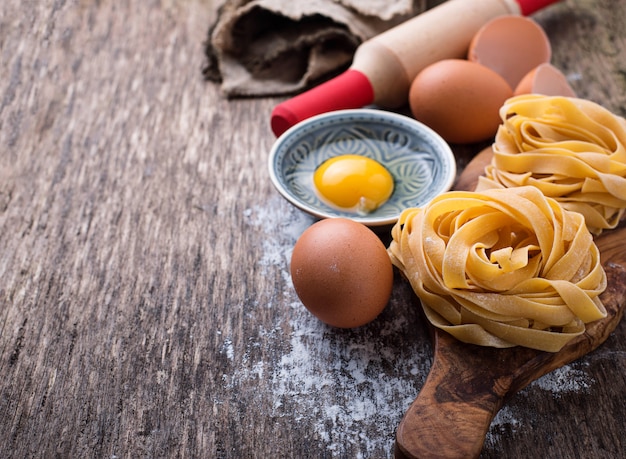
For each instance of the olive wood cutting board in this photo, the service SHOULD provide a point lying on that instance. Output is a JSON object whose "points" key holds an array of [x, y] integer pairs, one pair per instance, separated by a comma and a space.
{"points": [[467, 384]]}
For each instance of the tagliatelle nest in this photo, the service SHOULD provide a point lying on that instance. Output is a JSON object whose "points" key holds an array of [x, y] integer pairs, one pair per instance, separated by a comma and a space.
{"points": [[501, 267], [571, 149]]}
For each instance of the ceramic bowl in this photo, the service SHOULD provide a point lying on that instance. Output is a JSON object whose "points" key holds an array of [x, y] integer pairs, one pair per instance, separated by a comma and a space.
{"points": [[420, 161]]}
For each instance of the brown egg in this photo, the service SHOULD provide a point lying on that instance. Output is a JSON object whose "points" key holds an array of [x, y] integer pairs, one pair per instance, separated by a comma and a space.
{"points": [[546, 80], [341, 272], [459, 99], [511, 46]]}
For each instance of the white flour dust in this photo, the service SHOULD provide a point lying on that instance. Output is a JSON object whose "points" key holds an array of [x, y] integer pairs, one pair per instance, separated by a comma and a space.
{"points": [[335, 384], [504, 421], [561, 381], [564, 380], [282, 225]]}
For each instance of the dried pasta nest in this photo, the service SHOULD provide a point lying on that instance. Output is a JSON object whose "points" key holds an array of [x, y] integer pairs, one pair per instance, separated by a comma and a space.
{"points": [[501, 267], [573, 150]]}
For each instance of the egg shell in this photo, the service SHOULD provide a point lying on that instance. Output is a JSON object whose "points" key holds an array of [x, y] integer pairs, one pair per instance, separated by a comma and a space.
{"points": [[546, 80], [341, 272], [459, 99], [511, 46]]}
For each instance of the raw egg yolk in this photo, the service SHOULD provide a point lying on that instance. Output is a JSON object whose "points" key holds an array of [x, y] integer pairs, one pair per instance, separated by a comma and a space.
{"points": [[353, 182]]}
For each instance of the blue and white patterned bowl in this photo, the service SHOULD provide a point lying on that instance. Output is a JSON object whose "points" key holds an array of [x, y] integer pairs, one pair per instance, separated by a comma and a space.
{"points": [[420, 161]]}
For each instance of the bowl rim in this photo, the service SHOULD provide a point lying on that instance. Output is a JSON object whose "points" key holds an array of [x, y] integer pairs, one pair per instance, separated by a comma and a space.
{"points": [[443, 150]]}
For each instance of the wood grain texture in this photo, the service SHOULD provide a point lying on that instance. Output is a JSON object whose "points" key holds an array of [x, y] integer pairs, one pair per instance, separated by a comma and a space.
{"points": [[144, 306]]}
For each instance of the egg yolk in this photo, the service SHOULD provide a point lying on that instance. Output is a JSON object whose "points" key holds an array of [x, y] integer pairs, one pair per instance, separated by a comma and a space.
{"points": [[353, 182]]}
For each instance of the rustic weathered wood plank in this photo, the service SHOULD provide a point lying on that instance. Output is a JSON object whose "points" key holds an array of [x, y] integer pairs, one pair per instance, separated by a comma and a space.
{"points": [[145, 305]]}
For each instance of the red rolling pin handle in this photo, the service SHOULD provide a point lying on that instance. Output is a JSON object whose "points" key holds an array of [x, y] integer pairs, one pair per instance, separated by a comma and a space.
{"points": [[528, 7], [351, 89]]}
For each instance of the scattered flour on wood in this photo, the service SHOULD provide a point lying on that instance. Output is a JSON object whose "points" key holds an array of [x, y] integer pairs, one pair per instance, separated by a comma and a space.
{"points": [[504, 421], [564, 380], [336, 384]]}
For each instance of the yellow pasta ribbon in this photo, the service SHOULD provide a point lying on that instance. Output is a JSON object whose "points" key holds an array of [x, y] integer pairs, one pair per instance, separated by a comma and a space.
{"points": [[501, 267], [573, 150]]}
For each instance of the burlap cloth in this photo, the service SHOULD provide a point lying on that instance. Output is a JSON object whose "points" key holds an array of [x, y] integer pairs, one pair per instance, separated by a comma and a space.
{"points": [[275, 47]]}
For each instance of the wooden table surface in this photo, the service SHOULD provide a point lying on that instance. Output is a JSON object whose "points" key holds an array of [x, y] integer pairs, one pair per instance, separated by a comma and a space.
{"points": [[146, 308]]}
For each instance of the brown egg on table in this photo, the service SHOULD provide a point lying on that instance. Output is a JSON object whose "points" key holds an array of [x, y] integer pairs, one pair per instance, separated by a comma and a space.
{"points": [[546, 80], [459, 99], [511, 46], [341, 272]]}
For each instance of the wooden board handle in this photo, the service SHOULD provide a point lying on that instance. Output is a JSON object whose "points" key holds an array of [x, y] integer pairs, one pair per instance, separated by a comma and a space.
{"points": [[454, 410], [467, 385]]}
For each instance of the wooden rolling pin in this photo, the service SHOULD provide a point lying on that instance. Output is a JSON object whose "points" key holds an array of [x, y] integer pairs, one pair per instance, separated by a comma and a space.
{"points": [[384, 66]]}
